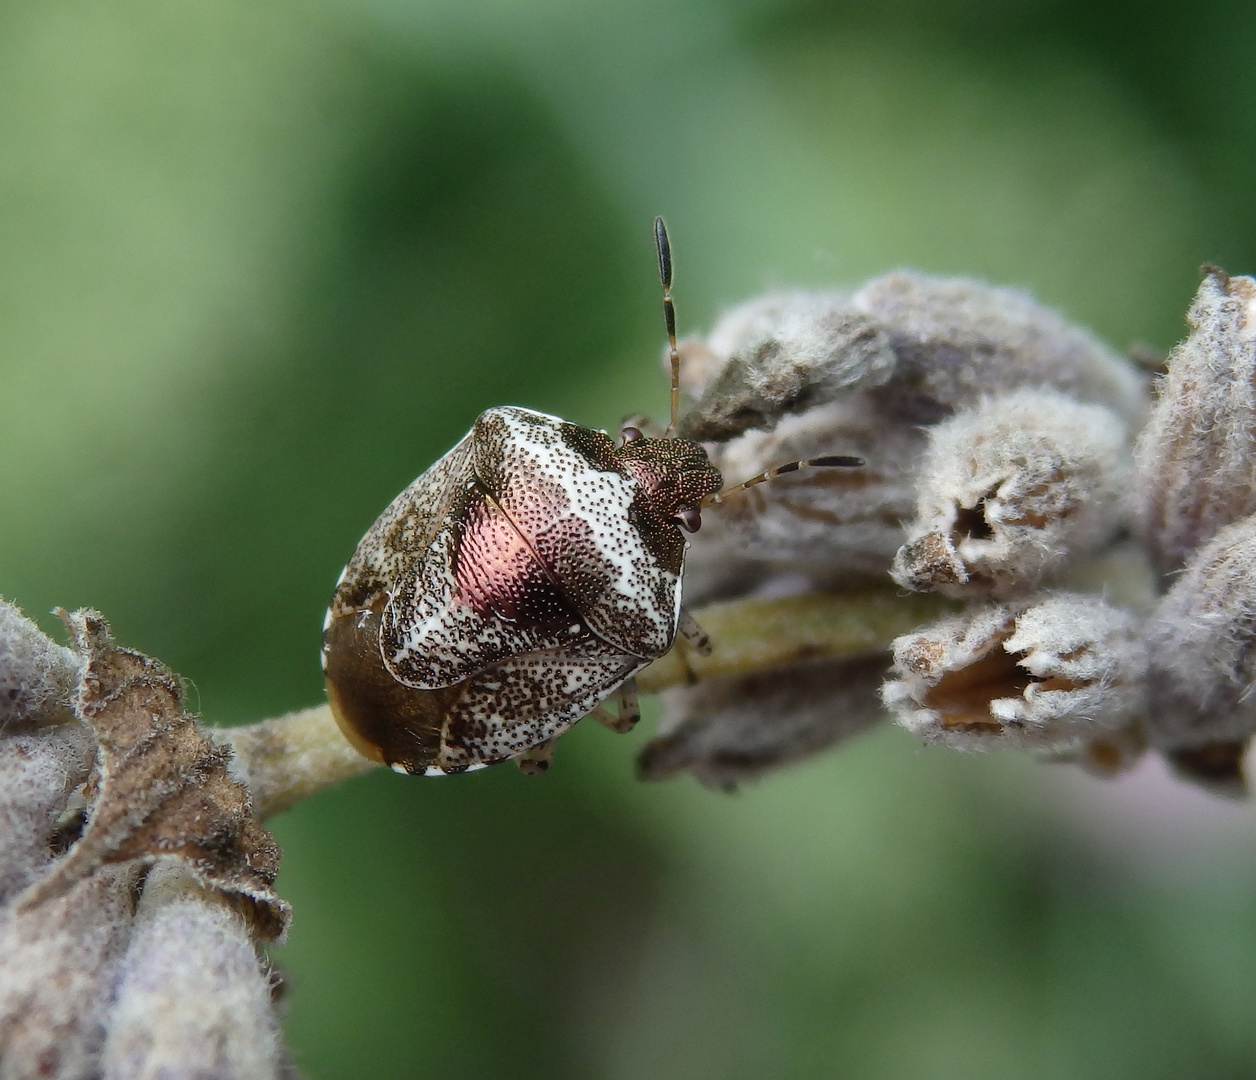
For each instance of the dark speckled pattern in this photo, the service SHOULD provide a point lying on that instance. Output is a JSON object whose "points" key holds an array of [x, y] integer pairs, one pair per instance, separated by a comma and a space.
{"points": [[509, 590]]}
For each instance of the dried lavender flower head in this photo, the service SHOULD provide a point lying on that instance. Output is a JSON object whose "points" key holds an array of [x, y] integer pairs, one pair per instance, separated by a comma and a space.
{"points": [[1010, 489], [807, 374], [1196, 452], [1046, 673], [994, 427]]}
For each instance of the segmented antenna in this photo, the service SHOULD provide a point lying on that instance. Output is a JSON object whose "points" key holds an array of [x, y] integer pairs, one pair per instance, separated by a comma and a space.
{"points": [[664, 248], [832, 461]]}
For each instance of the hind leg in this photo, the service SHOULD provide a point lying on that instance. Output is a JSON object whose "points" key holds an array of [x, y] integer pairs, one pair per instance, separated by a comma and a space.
{"points": [[627, 711]]}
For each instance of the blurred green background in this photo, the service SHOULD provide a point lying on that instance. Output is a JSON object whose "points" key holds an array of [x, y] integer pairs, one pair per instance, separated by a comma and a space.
{"points": [[261, 262]]}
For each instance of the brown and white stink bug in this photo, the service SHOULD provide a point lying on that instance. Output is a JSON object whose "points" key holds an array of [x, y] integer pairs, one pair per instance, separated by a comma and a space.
{"points": [[523, 579]]}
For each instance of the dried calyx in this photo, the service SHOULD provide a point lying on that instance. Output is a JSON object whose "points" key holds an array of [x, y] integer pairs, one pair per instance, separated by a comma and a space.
{"points": [[1043, 673], [1197, 499], [1010, 490], [1195, 454]]}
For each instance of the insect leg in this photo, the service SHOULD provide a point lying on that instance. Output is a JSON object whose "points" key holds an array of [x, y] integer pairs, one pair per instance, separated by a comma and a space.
{"points": [[692, 634], [537, 760], [627, 710]]}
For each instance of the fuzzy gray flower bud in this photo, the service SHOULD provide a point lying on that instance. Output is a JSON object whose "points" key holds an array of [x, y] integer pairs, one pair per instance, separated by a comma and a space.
{"points": [[1010, 489], [38, 678], [958, 340], [780, 354], [38, 771], [1203, 659], [732, 729], [834, 526], [804, 375], [56, 977], [1195, 454], [1051, 673], [192, 999], [929, 345]]}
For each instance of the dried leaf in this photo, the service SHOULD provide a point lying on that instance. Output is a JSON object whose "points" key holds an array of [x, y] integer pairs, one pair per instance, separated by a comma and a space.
{"points": [[161, 785]]}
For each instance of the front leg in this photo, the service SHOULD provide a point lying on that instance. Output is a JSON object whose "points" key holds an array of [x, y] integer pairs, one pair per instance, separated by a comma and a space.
{"points": [[691, 638], [692, 634]]}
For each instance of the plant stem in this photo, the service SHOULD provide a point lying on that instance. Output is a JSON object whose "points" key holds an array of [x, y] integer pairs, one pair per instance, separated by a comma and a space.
{"points": [[288, 758]]}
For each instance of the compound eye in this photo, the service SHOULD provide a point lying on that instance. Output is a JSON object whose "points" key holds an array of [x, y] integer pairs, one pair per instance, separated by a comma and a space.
{"points": [[690, 519], [630, 434]]}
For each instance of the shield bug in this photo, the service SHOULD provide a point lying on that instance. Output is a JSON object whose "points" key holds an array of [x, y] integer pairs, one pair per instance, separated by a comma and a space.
{"points": [[522, 580]]}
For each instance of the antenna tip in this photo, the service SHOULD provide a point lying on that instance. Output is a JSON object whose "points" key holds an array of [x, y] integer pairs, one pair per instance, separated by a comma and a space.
{"points": [[665, 252]]}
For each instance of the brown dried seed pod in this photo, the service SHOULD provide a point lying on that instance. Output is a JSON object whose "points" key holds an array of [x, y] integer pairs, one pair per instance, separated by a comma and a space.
{"points": [[728, 730], [1195, 455], [1047, 673], [1010, 489], [1202, 642]]}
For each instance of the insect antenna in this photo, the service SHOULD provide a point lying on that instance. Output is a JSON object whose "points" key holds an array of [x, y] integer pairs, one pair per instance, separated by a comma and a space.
{"points": [[664, 249], [838, 461]]}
